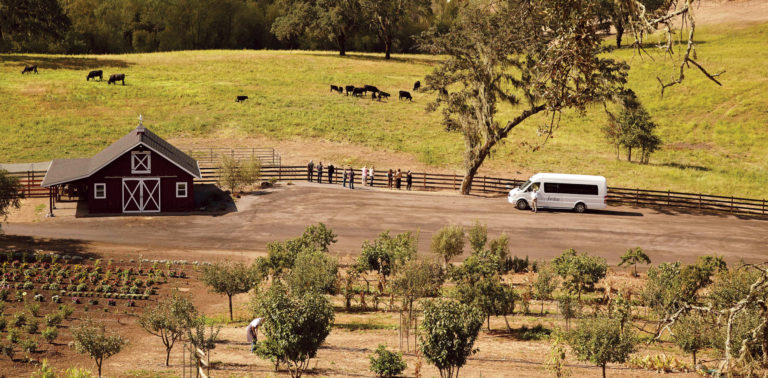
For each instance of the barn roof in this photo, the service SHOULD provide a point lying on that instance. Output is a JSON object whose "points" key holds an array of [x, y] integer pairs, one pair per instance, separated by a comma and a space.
{"points": [[66, 170]]}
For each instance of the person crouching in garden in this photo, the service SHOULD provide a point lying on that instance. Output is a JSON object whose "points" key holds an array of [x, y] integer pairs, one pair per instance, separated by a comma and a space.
{"points": [[252, 332]]}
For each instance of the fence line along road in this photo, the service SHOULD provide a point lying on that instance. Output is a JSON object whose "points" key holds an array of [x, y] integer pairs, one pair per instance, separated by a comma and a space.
{"points": [[211, 157], [31, 180]]}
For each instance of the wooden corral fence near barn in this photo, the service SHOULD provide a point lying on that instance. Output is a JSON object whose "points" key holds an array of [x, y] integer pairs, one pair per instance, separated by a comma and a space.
{"points": [[273, 169]]}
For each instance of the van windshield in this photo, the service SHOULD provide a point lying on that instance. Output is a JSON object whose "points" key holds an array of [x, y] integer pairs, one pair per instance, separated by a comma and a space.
{"points": [[525, 185]]}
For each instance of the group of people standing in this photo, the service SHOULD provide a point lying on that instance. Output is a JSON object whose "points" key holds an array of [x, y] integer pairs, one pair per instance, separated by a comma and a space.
{"points": [[394, 178]]}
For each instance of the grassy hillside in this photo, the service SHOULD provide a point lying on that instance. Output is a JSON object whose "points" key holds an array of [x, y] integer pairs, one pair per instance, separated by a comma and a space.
{"points": [[716, 140]]}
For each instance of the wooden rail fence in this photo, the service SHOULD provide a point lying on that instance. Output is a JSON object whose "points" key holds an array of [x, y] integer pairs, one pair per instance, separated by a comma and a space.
{"points": [[31, 180], [210, 157]]}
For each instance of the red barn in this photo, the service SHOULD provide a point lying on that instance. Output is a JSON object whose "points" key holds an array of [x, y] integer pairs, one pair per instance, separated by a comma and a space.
{"points": [[140, 173]]}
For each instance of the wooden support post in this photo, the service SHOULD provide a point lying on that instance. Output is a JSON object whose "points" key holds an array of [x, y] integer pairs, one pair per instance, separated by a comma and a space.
{"points": [[763, 206], [699, 201], [484, 184], [50, 202], [731, 203], [424, 180], [637, 196], [279, 173], [668, 194], [454, 181]]}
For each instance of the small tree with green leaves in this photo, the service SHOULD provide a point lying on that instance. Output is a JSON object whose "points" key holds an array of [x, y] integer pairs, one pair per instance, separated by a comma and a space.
{"points": [[545, 284], [314, 271], [449, 332], [234, 174], [478, 237], [385, 363], [634, 256], [91, 338], [692, 333], [281, 256], [569, 308], [10, 193], [556, 361], [230, 279], [169, 320], [417, 279], [602, 341], [201, 338], [294, 326], [580, 272], [448, 242], [385, 254]]}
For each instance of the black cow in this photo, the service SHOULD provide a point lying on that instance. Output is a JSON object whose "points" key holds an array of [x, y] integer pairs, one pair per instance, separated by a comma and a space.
{"points": [[416, 85], [358, 92], [336, 88], [114, 78], [29, 69], [443, 92], [95, 74], [405, 95], [373, 96], [349, 89], [241, 98], [383, 95], [370, 88]]}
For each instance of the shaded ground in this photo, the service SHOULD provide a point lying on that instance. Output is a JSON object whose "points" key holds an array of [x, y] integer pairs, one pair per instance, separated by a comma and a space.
{"points": [[283, 212]]}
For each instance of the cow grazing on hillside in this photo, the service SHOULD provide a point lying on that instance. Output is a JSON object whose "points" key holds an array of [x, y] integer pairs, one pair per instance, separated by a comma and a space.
{"points": [[29, 69], [373, 96], [443, 92], [358, 92], [114, 78], [416, 85], [241, 98], [370, 88], [405, 95], [335, 88], [94, 75], [349, 89], [383, 95]]}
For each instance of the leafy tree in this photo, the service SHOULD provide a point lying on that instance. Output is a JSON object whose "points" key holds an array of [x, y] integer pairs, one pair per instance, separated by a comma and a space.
{"points": [[385, 363], [295, 326], [334, 20], [692, 333], [449, 333], [601, 341], [10, 188], [569, 308], [500, 247], [417, 279], [545, 284], [579, 271], [314, 271], [234, 174], [91, 338], [281, 256], [199, 337], [633, 128], [448, 242], [633, 256], [479, 284], [230, 279], [169, 320], [670, 285], [23, 22], [385, 253], [556, 363], [386, 17], [478, 237]]}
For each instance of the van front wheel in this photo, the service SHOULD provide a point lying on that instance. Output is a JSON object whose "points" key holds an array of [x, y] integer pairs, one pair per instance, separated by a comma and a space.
{"points": [[522, 204], [580, 208]]}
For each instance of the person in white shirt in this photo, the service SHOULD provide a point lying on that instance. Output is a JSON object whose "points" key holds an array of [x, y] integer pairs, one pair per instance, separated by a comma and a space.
{"points": [[534, 198], [365, 175], [252, 332]]}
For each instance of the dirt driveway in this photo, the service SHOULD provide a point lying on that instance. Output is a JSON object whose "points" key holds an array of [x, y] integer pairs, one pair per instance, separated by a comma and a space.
{"points": [[283, 212]]}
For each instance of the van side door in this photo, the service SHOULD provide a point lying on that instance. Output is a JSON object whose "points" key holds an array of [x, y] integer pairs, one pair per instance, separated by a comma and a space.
{"points": [[551, 196]]}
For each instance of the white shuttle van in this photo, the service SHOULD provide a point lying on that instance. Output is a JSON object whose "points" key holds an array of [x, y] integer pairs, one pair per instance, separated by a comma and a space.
{"points": [[561, 191]]}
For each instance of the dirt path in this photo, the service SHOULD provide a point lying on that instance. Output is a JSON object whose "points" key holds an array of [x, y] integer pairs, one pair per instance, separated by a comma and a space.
{"points": [[359, 215]]}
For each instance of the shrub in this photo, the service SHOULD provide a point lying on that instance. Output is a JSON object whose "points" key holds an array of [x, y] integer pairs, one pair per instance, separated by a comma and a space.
{"points": [[66, 311], [28, 285], [19, 296], [53, 320], [71, 287], [92, 339], [78, 373], [134, 290], [56, 299], [3, 324], [53, 286], [130, 303], [449, 333], [602, 340], [33, 326], [13, 336], [111, 302], [44, 287], [45, 371], [4, 294], [34, 309], [93, 302], [76, 300], [38, 298], [19, 319], [29, 345], [50, 334], [149, 291], [7, 350], [385, 363]]}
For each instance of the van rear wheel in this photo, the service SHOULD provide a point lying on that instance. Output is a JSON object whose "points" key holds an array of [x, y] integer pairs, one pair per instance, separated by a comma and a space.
{"points": [[522, 204], [580, 208]]}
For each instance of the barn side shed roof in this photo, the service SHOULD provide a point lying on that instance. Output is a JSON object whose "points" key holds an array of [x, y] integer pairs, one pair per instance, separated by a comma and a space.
{"points": [[62, 171]]}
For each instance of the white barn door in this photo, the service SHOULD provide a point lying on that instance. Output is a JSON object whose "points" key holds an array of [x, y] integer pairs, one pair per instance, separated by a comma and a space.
{"points": [[141, 195]]}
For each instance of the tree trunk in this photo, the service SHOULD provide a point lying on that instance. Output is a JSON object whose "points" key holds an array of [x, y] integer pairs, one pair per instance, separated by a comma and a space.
{"points": [[619, 34], [629, 153], [694, 359], [387, 46], [341, 41], [98, 366], [542, 307], [488, 323], [507, 322], [635, 264], [168, 355], [603, 370], [230, 307]]}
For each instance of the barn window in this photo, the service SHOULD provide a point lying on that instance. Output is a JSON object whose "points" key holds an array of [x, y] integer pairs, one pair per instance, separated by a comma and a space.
{"points": [[181, 190], [100, 191], [141, 162]]}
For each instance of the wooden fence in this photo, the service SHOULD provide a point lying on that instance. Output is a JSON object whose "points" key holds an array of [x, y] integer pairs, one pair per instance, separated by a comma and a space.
{"points": [[210, 157], [31, 180]]}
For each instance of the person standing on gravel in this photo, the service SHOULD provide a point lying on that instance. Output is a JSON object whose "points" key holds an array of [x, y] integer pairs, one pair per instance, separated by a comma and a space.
{"points": [[409, 180], [351, 178], [398, 179], [331, 169], [320, 172], [389, 179], [364, 177], [534, 198], [310, 170], [370, 173], [251, 332]]}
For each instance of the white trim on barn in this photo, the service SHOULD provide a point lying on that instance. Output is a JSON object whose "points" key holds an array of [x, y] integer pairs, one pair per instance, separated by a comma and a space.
{"points": [[141, 162], [145, 203], [183, 186], [99, 186]]}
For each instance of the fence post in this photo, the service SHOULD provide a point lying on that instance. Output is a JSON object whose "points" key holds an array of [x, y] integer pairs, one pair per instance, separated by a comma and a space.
{"points": [[279, 173], [668, 194], [699, 201], [637, 196], [211, 155], [731, 203], [484, 184], [424, 180]]}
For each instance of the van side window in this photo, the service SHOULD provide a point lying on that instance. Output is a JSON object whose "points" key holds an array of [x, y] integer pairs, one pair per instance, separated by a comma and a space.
{"points": [[590, 190]]}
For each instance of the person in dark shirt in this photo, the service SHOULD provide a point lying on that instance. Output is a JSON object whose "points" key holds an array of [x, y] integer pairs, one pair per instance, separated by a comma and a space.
{"points": [[409, 180], [351, 178], [389, 179], [331, 169], [310, 170], [398, 179], [320, 172]]}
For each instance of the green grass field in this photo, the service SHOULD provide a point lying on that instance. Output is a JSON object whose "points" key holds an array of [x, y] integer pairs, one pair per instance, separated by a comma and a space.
{"points": [[716, 139]]}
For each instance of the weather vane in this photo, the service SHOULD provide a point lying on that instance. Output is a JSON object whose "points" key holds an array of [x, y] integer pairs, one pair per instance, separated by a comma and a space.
{"points": [[141, 119]]}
